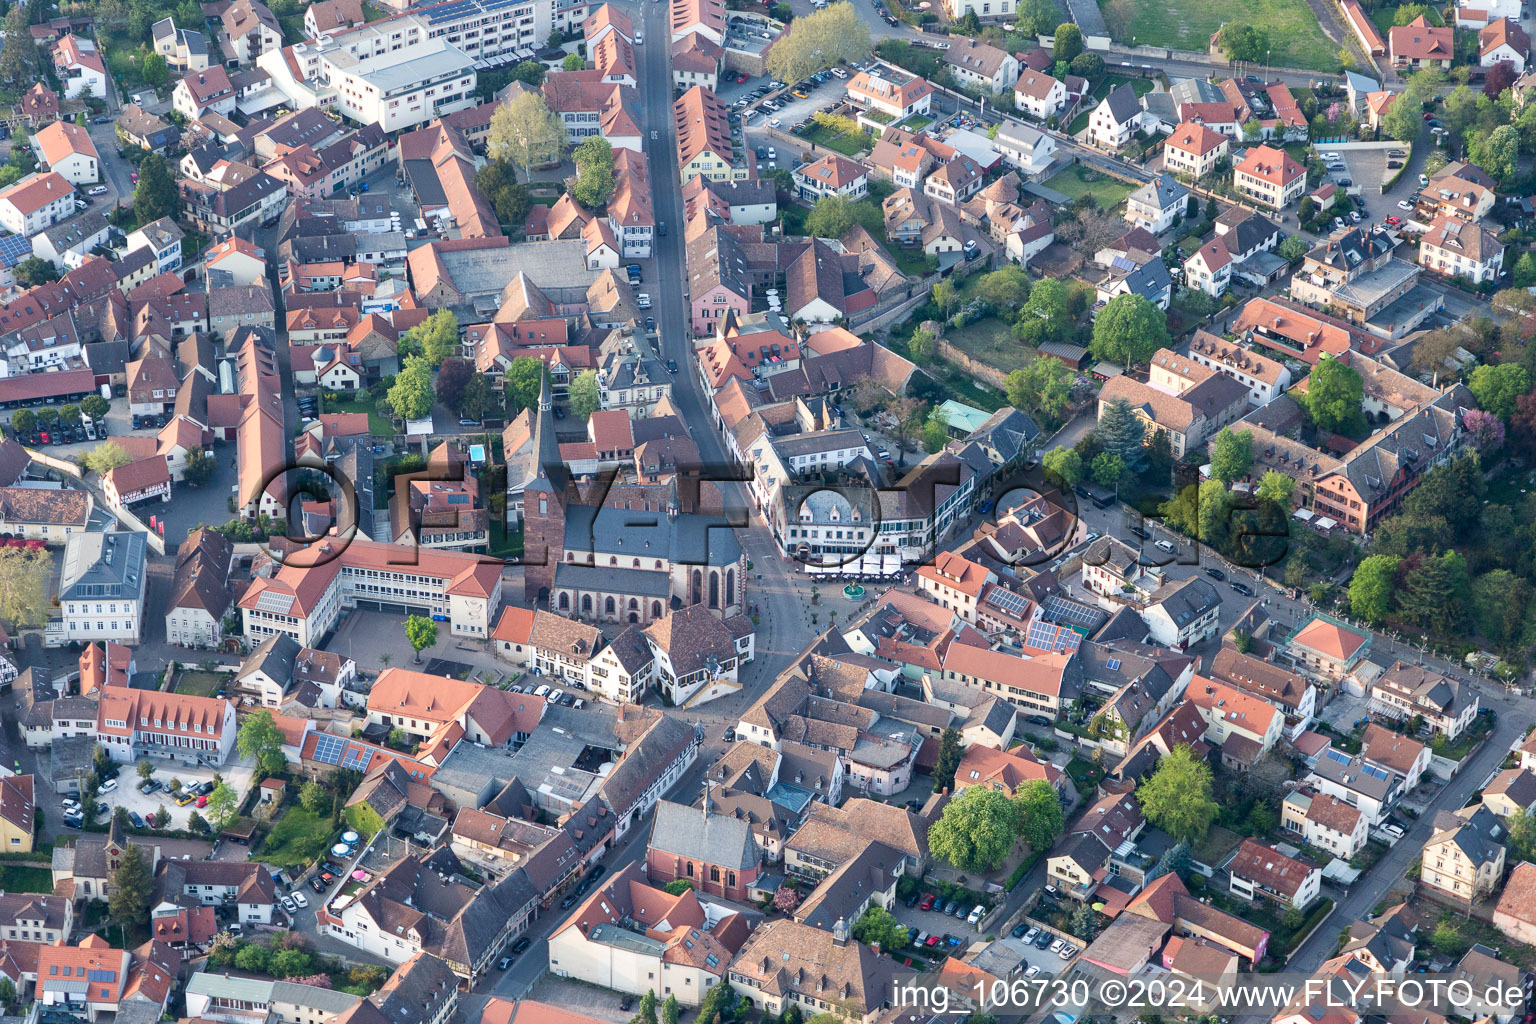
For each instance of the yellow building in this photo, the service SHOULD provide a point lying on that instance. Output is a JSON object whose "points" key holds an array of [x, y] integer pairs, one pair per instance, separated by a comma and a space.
{"points": [[16, 814]]}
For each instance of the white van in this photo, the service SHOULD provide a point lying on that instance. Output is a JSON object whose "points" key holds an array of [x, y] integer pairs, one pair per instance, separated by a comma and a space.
{"points": [[975, 915], [1164, 546], [542, 691]]}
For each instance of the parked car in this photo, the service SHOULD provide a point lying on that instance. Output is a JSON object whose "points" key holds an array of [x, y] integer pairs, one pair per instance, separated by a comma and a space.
{"points": [[287, 904], [135, 820], [1241, 588], [1031, 935], [318, 885], [1216, 574], [928, 900], [521, 944], [505, 962]]}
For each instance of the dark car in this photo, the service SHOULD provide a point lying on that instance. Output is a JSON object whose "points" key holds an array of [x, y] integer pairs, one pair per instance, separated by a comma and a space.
{"points": [[949, 907], [1216, 574], [671, 365], [597, 872], [1019, 930], [626, 1004], [1040, 720], [1141, 532], [520, 945], [317, 885], [1241, 588], [565, 904], [650, 325], [329, 867], [135, 820], [567, 700], [505, 962], [1043, 941]]}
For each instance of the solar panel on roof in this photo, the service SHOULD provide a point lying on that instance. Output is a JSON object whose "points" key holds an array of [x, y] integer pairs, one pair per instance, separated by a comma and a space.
{"points": [[14, 249], [1071, 612], [272, 601], [1114, 664], [1007, 600], [328, 748], [1374, 772], [357, 757], [1339, 756]]}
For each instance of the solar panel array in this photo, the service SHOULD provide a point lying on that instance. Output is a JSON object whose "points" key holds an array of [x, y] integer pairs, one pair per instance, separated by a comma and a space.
{"points": [[1059, 609], [1114, 664], [1048, 636], [447, 12], [328, 748], [1007, 600], [357, 757], [14, 249], [1339, 756], [1373, 771]]}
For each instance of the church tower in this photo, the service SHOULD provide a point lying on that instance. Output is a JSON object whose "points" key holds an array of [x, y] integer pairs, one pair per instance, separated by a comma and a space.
{"points": [[543, 506]]}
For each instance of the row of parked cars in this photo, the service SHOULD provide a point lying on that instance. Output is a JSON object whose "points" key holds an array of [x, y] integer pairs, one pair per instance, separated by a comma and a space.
{"points": [[1041, 939], [552, 694], [62, 433], [950, 908]]}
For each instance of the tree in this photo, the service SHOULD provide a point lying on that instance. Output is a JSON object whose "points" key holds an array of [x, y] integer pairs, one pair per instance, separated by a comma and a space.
{"points": [[1065, 463], [1035, 17], [1040, 816], [19, 61], [1371, 587], [1484, 429], [647, 1011], [786, 899], [1049, 315], [1431, 596], [32, 272], [477, 399], [523, 379], [23, 421], [1498, 605], [1333, 397], [877, 926], [223, 805], [95, 407], [1243, 42], [1402, 121], [259, 738], [199, 467], [498, 180], [1120, 431], [950, 754], [921, 346], [818, 41], [671, 1010], [435, 338], [1128, 330], [145, 770], [574, 62], [128, 905], [412, 395], [834, 216], [1496, 152], [7, 992], [104, 457], [582, 395], [1069, 42], [976, 831], [1446, 938], [1497, 388], [525, 133], [24, 586], [254, 957], [1276, 486], [314, 798], [1177, 798], [1231, 454], [943, 295], [1044, 388], [1522, 835], [935, 433], [452, 376], [1087, 65], [1498, 78], [594, 172], [155, 195], [1108, 469], [1293, 248], [421, 632], [1005, 289], [1085, 922], [196, 822]]}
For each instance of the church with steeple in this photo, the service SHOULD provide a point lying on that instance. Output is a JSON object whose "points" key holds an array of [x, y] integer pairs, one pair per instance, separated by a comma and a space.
{"points": [[628, 553]]}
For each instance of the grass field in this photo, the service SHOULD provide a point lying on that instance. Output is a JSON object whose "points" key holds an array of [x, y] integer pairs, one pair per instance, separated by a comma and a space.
{"points": [[298, 839], [1295, 37], [848, 145], [202, 684], [1382, 18], [992, 342], [1078, 181]]}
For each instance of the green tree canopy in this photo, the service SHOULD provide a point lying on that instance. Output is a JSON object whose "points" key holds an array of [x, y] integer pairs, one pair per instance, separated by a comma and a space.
{"points": [[594, 172], [976, 831], [1040, 815], [1498, 387], [155, 195], [1371, 587], [876, 925], [128, 904], [260, 739], [950, 753], [1065, 463], [1334, 396], [1177, 798], [1043, 388], [525, 132], [583, 396], [421, 632], [1276, 486], [1120, 432], [1108, 469], [1231, 454], [1243, 42], [1128, 330], [223, 805], [523, 380], [819, 41], [1069, 42], [413, 393]]}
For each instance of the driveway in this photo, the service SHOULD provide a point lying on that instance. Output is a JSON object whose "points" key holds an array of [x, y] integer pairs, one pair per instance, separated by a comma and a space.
{"points": [[127, 794]]}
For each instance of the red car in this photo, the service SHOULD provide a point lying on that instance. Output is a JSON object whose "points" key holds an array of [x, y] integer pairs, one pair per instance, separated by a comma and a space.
{"points": [[933, 940], [1428, 114], [202, 801], [927, 903], [1393, 222], [740, 79]]}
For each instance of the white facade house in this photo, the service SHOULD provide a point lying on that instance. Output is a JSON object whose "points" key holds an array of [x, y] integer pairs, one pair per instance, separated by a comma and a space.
{"points": [[1023, 147], [1115, 118], [67, 148], [1038, 94], [1154, 205], [957, 9], [1183, 613], [36, 202], [1209, 268], [80, 67], [101, 589], [1455, 248]]}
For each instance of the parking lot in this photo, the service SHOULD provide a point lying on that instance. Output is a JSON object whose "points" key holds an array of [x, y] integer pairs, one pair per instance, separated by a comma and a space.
{"points": [[1045, 963], [126, 793], [918, 921], [1365, 166]]}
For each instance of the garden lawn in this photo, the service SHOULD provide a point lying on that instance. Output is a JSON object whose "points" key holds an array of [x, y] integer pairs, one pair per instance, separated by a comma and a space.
{"points": [[848, 145], [991, 341], [1295, 38], [1078, 180], [378, 426], [201, 684], [20, 878], [297, 839], [1382, 17]]}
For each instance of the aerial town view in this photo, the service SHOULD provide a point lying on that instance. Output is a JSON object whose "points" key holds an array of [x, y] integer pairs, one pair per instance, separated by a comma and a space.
{"points": [[767, 512]]}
